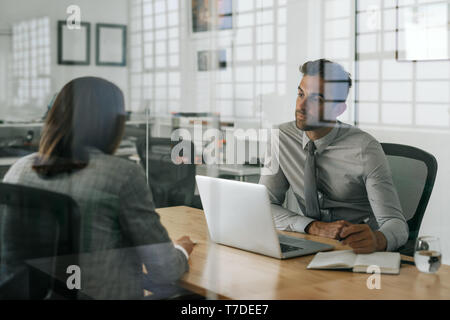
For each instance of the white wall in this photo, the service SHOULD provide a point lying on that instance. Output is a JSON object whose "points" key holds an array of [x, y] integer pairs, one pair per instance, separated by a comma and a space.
{"points": [[93, 11]]}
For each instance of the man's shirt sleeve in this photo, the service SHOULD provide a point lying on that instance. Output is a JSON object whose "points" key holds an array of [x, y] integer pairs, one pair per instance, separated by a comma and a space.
{"points": [[383, 197], [277, 185]]}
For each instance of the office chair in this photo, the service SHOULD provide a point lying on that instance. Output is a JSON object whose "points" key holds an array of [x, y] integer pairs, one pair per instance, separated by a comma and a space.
{"points": [[35, 223], [171, 184], [413, 173]]}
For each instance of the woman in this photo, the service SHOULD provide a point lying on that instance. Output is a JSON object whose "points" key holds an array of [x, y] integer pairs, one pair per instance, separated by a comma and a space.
{"points": [[120, 229]]}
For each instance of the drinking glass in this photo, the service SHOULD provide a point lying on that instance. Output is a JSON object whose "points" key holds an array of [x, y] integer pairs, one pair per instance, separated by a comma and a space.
{"points": [[427, 254]]}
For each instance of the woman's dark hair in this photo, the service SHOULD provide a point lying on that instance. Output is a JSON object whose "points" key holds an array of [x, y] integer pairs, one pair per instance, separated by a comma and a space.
{"points": [[88, 112]]}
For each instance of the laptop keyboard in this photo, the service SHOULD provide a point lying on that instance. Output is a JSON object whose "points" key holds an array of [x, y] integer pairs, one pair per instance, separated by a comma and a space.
{"points": [[287, 248]]}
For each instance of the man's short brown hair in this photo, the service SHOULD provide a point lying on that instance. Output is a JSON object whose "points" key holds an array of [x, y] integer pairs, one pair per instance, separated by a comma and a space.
{"points": [[334, 75]]}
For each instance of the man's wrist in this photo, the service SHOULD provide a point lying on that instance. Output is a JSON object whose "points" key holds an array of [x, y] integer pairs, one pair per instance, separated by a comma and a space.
{"points": [[183, 250], [381, 242], [308, 227]]}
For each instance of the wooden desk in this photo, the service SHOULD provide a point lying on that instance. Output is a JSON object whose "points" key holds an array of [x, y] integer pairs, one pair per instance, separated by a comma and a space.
{"points": [[222, 272]]}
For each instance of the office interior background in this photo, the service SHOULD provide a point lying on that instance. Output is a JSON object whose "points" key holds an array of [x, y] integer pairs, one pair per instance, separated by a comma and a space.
{"points": [[242, 66]]}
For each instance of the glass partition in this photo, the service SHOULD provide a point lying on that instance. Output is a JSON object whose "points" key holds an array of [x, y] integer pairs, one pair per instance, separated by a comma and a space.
{"points": [[111, 109]]}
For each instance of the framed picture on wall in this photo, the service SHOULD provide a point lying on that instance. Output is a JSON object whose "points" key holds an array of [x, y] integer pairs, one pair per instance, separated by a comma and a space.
{"points": [[423, 31], [111, 44], [211, 60], [74, 44], [212, 15]]}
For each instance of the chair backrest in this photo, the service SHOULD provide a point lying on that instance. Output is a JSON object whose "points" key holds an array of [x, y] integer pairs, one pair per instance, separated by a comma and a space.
{"points": [[413, 173], [172, 184], [34, 223]]}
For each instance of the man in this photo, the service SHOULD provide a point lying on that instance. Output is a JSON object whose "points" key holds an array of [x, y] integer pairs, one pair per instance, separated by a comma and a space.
{"points": [[338, 173]]}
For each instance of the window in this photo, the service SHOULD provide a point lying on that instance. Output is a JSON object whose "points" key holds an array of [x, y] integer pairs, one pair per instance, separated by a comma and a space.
{"points": [[155, 56], [393, 93], [258, 58], [256, 50], [337, 38], [31, 62]]}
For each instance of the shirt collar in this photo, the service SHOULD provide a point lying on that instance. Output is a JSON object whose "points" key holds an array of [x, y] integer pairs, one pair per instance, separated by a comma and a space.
{"points": [[322, 143]]}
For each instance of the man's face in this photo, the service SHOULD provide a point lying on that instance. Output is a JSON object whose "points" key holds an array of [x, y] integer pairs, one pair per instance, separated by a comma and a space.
{"points": [[309, 108]]}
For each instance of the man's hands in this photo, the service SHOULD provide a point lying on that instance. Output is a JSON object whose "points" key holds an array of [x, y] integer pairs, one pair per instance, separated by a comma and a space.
{"points": [[362, 239], [327, 229], [358, 236], [186, 243]]}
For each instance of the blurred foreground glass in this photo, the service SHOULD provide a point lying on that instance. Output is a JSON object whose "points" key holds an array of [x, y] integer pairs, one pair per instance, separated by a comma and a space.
{"points": [[427, 254]]}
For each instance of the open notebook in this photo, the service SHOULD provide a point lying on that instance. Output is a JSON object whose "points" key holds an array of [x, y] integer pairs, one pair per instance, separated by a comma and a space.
{"points": [[389, 262]]}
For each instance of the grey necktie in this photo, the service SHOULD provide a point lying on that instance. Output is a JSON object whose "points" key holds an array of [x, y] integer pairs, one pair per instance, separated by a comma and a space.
{"points": [[311, 200]]}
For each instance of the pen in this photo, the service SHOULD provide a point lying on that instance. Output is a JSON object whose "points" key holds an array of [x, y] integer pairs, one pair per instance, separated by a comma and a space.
{"points": [[365, 221]]}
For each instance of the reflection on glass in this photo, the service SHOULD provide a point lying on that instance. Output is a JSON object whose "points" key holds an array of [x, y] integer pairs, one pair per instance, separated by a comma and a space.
{"points": [[30, 74], [425, 32], [208, 15]]}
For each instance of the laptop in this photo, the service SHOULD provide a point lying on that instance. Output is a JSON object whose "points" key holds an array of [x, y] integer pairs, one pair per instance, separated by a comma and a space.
{"points": [[238, 214]]}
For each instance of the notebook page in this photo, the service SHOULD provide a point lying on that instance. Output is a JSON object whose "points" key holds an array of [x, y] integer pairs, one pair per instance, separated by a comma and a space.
{"points": [[340, 259], [389, 262]]}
